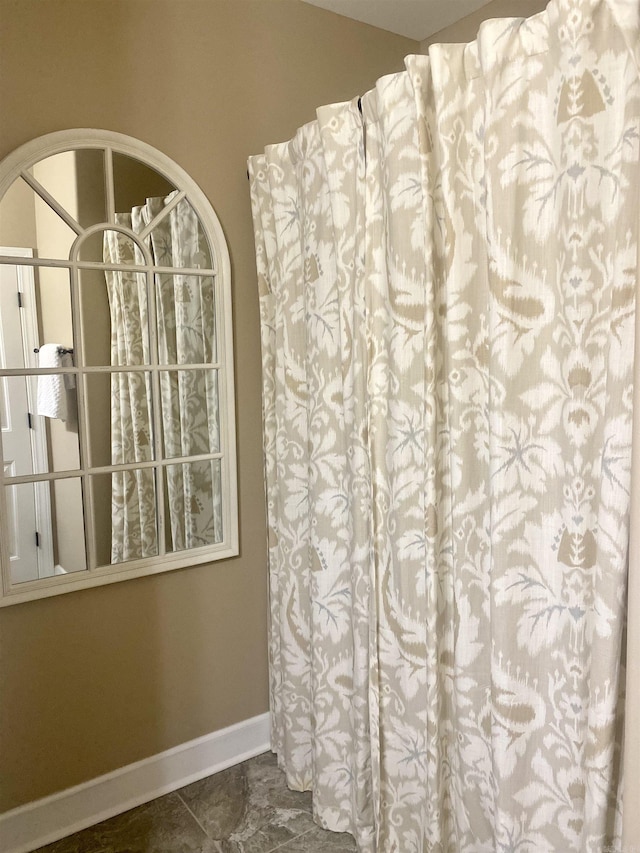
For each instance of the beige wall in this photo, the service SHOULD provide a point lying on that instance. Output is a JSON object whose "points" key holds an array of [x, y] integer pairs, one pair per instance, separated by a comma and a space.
{"points": [[18, 220], [467, 29], [93, 680]]}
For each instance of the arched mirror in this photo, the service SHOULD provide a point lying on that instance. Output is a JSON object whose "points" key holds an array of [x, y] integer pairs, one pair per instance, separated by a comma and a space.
{"points": [[116, 367]]}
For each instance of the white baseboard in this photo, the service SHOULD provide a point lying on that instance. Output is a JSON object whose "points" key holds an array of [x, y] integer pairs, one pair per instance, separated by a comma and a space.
{"points": [[31, 826]]}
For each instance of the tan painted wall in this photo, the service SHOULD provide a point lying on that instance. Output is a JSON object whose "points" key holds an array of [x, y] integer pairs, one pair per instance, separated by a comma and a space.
{"points": [[93, 680], [18, 222], [466, 29]]}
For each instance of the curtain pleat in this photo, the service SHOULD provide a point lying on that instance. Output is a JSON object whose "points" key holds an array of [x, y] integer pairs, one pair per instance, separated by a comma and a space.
{"points": [[186, 335], [133, 499], [265, 259], [628, 17], [631, 792], [293, 605], [447, 274]]}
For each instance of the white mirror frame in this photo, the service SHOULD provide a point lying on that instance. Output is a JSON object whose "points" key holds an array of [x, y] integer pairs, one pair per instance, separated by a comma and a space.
{"points": [[10, 169]]}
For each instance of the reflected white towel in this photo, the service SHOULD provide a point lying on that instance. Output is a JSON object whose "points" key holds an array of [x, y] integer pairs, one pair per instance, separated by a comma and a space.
{"points": [[52, 389]]}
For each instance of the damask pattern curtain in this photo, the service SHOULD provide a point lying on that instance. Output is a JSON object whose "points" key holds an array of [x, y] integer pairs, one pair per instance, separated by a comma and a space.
{"points": [[185, 324], [134, 532], [447, 274], [186, 335]]}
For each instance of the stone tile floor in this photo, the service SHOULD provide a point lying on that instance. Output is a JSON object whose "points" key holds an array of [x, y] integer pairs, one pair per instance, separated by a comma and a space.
{"points": [[245, 809]]}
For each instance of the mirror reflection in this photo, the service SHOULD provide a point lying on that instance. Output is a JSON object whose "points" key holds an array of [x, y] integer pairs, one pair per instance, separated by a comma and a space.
{"points": [[46, 529], [132, 533], [95, 396], [40, 418], [194, 494], [75, 179]]}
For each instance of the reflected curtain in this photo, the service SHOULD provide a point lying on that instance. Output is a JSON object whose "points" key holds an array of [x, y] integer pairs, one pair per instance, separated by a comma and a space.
{"points": [[185, 326], [133, 500], [447, 274]]}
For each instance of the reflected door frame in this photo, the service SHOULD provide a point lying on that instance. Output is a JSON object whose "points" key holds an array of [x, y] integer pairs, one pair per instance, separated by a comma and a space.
{"points": [[25, 285]]}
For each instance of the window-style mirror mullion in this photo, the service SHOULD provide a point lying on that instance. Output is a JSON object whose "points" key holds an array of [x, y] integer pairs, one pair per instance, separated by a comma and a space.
{"points": [[46, 196], [166, 210], [100, 368], [157, 412], [83, 425], [102, 265], [20, 479], [109, 186]]}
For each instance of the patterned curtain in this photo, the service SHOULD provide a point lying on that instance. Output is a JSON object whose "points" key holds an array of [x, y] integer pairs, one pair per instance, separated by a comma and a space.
{"points": [[185, 314], [133, 499], [447, 273]]}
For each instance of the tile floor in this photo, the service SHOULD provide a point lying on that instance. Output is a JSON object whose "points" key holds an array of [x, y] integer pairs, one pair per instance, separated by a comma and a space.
{"points": [[245, 809]]}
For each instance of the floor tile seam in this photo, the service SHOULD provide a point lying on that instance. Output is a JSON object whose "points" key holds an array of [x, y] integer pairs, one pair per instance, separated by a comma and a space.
{"points": [[179, 796], [289, 840]]}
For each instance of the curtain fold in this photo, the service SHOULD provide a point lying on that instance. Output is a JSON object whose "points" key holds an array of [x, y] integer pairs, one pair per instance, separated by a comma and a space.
{"points": [[185, 335], [631, 793], [133, 499], [447, 293]]}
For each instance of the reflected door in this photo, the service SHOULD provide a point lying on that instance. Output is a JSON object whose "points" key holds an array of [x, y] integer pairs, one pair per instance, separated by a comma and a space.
{"points": [[27, 504]]}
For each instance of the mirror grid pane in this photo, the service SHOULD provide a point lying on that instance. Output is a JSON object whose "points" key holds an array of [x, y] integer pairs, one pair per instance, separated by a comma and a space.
{"points": [[94, 305]]}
